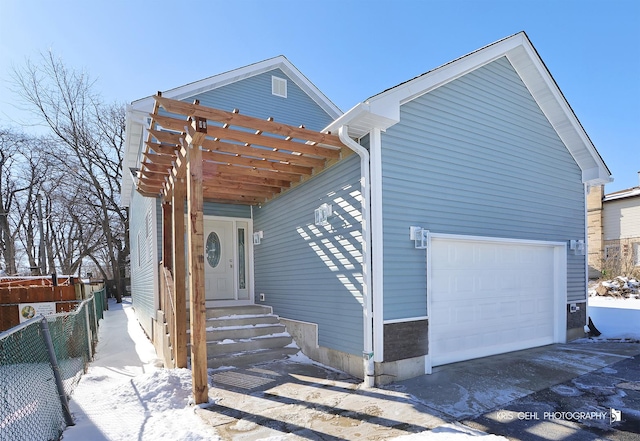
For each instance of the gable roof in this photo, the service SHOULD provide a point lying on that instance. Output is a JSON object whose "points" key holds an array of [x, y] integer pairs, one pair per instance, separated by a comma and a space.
{"points": [[383, 110], [138, 111]]}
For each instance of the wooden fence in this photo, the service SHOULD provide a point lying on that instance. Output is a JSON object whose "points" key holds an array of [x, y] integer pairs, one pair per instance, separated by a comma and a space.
{"points": [[14, 293]]}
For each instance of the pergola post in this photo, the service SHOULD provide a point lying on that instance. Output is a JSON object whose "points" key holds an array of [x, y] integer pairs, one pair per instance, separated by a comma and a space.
{"points": [[196, 261], [167, 243], [179, 272]]}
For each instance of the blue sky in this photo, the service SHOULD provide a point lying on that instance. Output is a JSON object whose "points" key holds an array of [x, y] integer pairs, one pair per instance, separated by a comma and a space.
{"points": [[350, 49]]}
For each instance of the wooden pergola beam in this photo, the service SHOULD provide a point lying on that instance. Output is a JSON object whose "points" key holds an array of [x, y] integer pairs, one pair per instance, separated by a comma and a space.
{"points": [[158, 168], [238, 189], [272, 142], [224, 158], [167, 161], [236, 150], [234, 199], [163, 149], [260, 152], [243, 136], [211, 168], [236, 119], [248, 179], [166, 137]]}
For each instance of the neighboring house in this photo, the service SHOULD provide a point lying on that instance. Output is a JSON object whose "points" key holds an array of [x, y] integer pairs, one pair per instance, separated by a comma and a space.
{"points": [[450, 225], [614, 232]]}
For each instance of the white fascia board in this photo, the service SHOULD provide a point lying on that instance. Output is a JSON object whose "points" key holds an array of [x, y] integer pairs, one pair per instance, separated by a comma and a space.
{"points": [[383, 110], [309, 88], [630, 193], [135, 123], [232, 76], [360, 121], [524, 58], [549, 98], [596, 176], [388, 103]]}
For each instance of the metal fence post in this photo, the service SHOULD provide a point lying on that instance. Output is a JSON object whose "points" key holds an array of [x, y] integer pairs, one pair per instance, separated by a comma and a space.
{"points": [[56, 372], [89, 336], [95, 316]]}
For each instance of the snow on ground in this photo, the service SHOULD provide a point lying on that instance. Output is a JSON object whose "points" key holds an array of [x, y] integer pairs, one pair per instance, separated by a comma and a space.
{"points": [[125, 395], [450, 432], [615, 318]]}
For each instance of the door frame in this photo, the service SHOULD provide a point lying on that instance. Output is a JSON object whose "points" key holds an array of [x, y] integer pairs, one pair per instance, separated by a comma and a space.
{"points": [[250, 266]]}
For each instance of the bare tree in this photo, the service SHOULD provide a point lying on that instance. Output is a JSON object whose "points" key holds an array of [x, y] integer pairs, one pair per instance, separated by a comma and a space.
{"points": [[22, 173], [10, 142], [90, 135]]}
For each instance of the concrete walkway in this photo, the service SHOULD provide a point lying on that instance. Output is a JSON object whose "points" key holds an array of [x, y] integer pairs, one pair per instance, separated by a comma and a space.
{"points": [[118, 358], [501, 395]]}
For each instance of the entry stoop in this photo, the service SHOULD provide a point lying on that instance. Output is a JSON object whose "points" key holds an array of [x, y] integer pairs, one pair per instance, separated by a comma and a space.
{"points": [[244, 335]]}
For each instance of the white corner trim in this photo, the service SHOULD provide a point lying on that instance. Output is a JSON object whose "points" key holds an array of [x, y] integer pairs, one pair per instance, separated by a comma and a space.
{"points": [[377, 244]]}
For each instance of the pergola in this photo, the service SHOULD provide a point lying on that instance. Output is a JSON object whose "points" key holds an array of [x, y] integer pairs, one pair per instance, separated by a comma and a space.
{"points": [[195, 153]]}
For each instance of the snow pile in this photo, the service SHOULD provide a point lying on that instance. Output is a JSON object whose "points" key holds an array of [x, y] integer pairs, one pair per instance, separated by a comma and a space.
{"points": [[617, 318], [621, 287], [152, 406]]}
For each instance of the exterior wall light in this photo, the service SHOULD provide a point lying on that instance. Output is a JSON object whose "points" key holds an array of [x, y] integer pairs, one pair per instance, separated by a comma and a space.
{"points": [[257, 237], [322, 214], [577, 246], [420, 237]]}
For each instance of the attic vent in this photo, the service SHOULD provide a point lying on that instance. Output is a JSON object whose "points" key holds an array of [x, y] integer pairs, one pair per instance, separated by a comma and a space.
{"points": [[279, 86]]}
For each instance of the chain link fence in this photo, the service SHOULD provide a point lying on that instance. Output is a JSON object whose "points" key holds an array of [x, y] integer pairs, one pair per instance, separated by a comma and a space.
{"points": [[41, 362]]}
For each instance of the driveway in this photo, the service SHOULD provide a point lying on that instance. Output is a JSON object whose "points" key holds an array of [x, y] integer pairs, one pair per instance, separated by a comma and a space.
{"points": [[557, 392]]}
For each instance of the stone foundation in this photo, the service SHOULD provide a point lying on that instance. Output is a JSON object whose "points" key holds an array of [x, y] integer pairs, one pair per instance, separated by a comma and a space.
{"points": [[576, 321]]}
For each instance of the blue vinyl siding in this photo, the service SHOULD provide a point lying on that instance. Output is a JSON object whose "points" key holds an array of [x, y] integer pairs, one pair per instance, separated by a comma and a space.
{"points": [[314, 273], [227, 210], [252, 96], [475, 157], [143, 261]]}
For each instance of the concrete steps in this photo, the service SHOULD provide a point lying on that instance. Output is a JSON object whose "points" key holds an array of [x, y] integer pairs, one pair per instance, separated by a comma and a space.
{"points": [[244, 335]]}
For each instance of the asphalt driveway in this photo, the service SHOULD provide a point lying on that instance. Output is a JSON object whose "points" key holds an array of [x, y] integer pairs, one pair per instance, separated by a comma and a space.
{"points": [[557, 392]]}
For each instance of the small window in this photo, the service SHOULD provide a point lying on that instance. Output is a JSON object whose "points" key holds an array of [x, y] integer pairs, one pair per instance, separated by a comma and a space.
{"points": [[213, 249], [139, 249], [242, 267], [611, 252], [636, 254], [279, 87]]}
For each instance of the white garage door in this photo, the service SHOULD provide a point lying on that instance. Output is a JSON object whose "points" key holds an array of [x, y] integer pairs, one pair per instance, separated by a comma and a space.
{"points": [[490, 297]]}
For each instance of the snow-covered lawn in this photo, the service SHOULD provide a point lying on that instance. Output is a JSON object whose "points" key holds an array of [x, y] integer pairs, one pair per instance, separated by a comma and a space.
{"points": [[616, 318]]}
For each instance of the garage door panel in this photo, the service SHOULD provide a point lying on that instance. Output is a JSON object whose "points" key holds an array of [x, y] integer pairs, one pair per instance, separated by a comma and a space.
{"points": [[489, 297]]}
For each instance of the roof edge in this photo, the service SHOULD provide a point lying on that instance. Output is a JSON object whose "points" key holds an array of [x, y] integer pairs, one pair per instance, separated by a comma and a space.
{"points": [[524, 58]]}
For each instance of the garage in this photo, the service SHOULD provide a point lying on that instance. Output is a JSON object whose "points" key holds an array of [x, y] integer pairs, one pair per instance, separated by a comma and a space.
{"points": [[488, 296]]}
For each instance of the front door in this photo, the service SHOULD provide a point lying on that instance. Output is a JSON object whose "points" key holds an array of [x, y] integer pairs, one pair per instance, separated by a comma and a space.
{"points": [[226, 260]]}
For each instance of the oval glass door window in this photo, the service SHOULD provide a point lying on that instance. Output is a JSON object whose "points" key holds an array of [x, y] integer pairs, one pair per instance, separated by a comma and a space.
{"points": [[212, 249]]}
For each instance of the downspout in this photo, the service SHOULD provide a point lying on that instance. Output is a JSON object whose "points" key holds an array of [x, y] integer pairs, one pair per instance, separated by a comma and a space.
{"points": [[587, 190], [365, 190]]}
